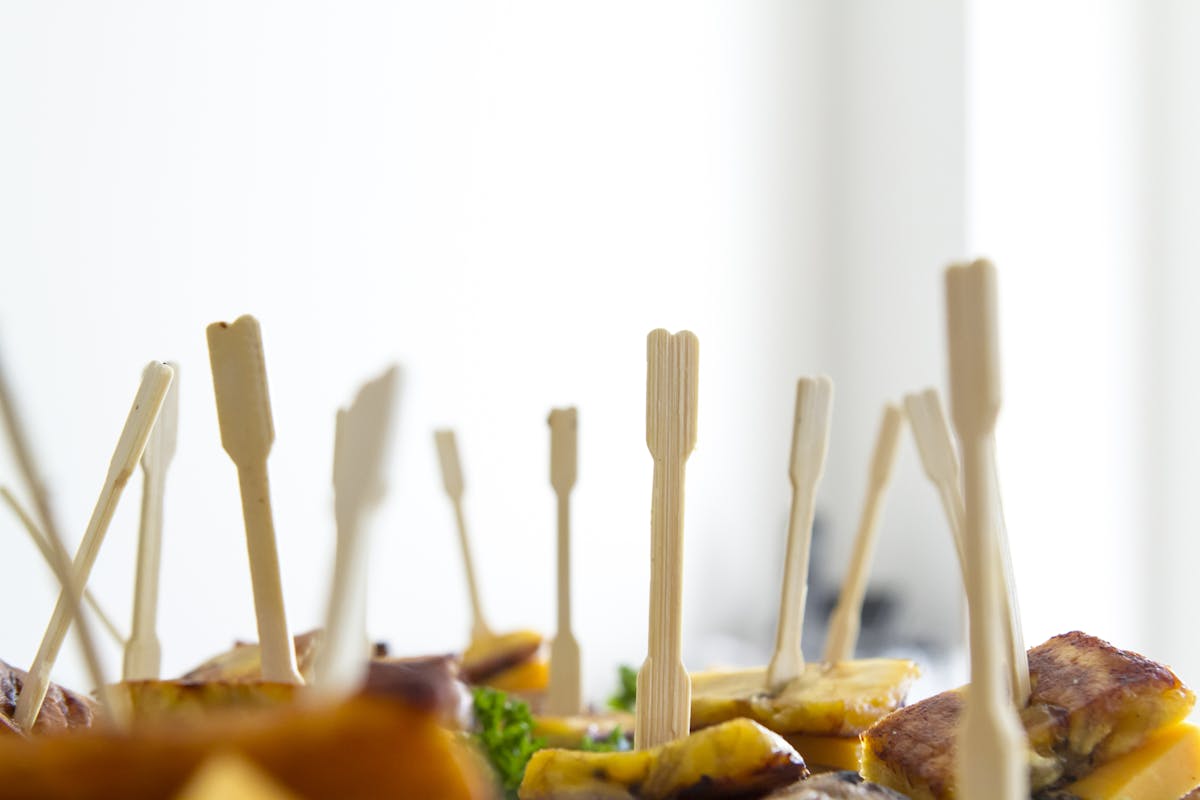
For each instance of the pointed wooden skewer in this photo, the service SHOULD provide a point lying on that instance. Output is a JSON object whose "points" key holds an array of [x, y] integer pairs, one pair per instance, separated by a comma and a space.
{"points": [[43, 546], [146, 405], [452, 480], [247, 433], [1014, 635], [143, 652], [932, 434], [359, 453], [565, 693], [810, 443], [846, 617], [663, 686], [991, 751], [934, 443]]}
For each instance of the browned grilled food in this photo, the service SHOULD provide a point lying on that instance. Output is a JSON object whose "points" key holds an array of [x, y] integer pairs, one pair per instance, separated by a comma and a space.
{"points": [[61, 711], [1090, 703]]}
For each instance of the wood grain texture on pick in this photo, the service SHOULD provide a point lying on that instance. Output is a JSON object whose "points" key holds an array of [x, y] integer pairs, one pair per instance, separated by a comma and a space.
{"points": [[452, 481], [143, 651], [810, 443], [663, 686], [152, 391], [247, 432], [992, 746], [846, 618], [361, 444], [565, 692]]}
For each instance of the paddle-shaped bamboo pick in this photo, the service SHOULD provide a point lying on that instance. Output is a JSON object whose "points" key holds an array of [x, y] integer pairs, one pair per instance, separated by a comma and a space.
{"points": [[663, 688], [143, 652], [810, 443], [361, 441], [43, 547], [934, 443], [244, 413], [146, 405], [992, 763], [846, 617], [452, 479], [565, 693]]}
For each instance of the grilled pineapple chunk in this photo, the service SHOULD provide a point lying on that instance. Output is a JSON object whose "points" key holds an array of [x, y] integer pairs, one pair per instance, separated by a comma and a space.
{"points": [[1090, 704], [841, 699], [569, 731], [739, 758], [193, 699]]}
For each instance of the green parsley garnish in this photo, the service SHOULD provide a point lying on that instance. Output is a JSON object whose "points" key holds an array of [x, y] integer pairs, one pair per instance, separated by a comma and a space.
{"points": [[505, 732], [626, 696]]}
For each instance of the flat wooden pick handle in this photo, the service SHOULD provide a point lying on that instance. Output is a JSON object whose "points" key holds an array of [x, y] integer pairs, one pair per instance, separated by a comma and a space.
{"points": [[452, 480], [565, 694], [845, 620], [992, 761], [810, 443], [247, 433], [664, 689]]}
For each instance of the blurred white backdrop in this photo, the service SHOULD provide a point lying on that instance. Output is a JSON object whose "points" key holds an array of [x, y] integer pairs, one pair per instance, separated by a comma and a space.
{"points": [[505, 198]]}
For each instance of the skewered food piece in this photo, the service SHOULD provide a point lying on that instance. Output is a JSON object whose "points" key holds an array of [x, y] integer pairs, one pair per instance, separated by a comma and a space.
{"points": [[244, 661], [1091, 703], [512, 662], [1166, 766], [822, 712], [739, 758], [569, 732], [62, 709], [366, 747], [846, 785]]}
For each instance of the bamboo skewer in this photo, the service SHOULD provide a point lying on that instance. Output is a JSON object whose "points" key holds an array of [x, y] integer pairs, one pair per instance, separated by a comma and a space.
{"points": [[247, 433], [846, 617], [663, 685], [43, 546], [359, 453], [992, 762], [810, 443], [565, 693], [932, 434], [452, 480], [146, 405], [143, 651]]}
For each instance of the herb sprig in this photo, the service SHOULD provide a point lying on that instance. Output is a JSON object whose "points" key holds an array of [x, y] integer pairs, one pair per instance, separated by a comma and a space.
{"points": [[504, 730], [626, 697]]}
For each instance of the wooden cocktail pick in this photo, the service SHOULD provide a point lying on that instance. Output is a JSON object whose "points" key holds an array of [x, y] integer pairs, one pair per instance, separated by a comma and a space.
{"points": [[244, 413], [43, 546], [146, 405], [992, 747], [846, 616], [360, 448], [810, 443], [932, 434], [565, 693], [663, 687], [936, 447], [143, 652], [452, 479], [1018, 658]]}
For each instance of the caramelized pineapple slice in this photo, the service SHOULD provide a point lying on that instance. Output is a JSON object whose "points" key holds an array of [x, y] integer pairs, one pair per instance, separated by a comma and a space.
{"points": [[841, 699], [244, 661], [188, 699], [739, 758], [486, 658], [1090, 704]]}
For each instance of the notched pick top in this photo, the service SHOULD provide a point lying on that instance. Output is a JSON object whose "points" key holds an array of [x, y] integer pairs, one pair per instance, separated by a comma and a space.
{"points": [[738, 759]]}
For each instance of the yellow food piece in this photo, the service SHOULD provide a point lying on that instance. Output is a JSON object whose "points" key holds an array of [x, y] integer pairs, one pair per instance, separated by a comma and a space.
{"points": [[841, 699], [568, 732], [532, 675], [244, 661], [830, 752], [738, 757], [1090, 704], [1164, 768], [148, 700], [230, 777], [489, 656]]}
